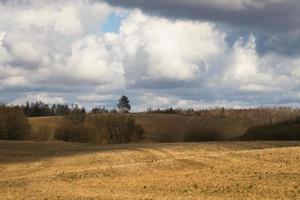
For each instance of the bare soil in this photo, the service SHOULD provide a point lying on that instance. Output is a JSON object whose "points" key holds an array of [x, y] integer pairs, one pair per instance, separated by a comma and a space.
{"points": [[217, 170]]}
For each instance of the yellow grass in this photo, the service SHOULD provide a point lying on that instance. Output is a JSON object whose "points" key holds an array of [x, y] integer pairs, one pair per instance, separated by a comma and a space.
{"points": [[43, 128], [226, 170]]}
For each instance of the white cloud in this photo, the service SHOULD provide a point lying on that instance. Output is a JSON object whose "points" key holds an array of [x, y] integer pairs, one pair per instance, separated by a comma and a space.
{"points": [[41, 37], [49, 47], [157, 48], [91, 60], [43, 97], [70, 18], [244, 59]]}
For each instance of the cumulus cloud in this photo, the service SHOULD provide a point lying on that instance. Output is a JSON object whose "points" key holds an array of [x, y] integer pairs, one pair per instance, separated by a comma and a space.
{"points": [[277, 19], [39, 36], [56, 52], [165, 53], [92, 60]]}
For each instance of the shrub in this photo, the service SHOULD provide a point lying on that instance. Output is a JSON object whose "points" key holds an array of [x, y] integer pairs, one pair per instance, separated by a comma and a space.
{"points": [[13, 124], [111, 128], [72, 129], [202, 135], [121, 129], [287, 130], [69, 131]]}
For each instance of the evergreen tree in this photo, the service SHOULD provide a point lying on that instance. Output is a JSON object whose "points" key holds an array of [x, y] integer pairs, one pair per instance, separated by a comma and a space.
{"points": [[124, 104]]}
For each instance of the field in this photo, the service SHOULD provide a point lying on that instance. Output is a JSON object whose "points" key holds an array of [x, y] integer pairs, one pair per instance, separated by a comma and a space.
{"points": [[159, 127], [43, 128], [224, 170]]}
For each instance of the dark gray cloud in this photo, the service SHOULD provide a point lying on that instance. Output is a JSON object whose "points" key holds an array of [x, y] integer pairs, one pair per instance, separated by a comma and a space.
{"points": [[272, 15]]}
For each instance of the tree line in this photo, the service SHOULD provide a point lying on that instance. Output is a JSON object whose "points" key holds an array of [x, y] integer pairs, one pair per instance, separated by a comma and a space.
{"points": [[102, 125], [76, 125], [41, 109], [262, 115]]}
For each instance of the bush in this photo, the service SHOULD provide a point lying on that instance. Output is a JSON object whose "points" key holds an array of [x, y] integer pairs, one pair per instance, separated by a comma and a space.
{"points": [[122, 129], [13, 124], [287, 130], [111, 128], [203, 135], [73, 129]]}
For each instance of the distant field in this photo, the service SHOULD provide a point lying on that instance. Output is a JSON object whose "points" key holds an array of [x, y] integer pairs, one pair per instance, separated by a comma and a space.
{"points": [[224, 170], [159, 127], [43, 128]]}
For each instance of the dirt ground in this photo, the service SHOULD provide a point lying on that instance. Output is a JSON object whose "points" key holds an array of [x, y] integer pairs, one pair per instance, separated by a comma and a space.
{"points": [[224, 170]]}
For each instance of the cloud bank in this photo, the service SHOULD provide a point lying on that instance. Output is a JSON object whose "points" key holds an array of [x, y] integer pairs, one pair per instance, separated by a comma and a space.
{"points": [[56, 52], [278, 15]]}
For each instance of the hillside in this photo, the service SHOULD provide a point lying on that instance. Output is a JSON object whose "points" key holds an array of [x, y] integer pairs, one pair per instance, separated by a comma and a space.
{"points": [[43, 128], [238, 170], [173, 127]]}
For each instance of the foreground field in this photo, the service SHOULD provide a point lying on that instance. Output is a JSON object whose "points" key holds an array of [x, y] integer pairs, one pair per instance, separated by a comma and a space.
{"points": [[237, 170]]}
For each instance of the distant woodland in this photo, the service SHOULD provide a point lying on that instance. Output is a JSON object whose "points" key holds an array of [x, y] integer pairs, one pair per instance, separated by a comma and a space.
{"points": [[109, 126]]}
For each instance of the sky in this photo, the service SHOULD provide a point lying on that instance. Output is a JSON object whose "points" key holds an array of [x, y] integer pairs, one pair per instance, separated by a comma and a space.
{"points": [[159, 53]]}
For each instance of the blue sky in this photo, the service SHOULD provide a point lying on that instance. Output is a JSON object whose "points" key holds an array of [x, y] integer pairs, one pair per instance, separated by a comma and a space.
{"points": [[112, 23]]}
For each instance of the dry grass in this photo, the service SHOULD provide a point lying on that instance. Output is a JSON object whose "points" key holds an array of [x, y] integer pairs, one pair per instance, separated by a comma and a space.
{"points": [[225, 170], [43, 128]]}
